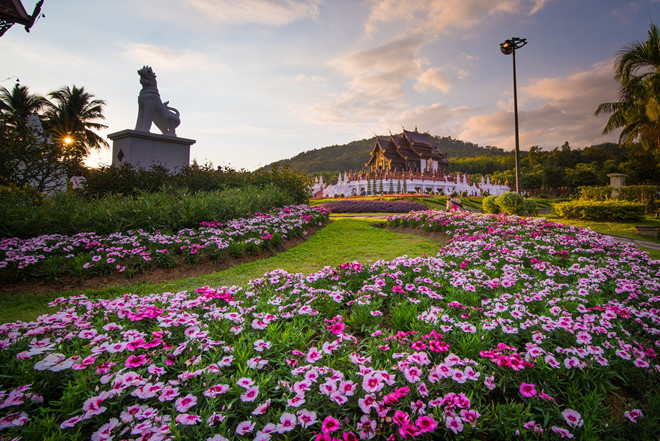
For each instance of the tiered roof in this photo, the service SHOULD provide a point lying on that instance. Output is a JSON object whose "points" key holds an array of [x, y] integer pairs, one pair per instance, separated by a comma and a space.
{"points": [[409, 146]]}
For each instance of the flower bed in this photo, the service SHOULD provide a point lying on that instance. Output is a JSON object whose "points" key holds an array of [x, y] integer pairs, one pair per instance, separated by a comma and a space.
{"points": [[518, 329], [369, 206], [90, 254]]}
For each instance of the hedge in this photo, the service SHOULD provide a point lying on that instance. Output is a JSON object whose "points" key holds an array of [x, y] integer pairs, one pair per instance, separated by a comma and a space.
{"points": [[24, 215], [600, 210]]}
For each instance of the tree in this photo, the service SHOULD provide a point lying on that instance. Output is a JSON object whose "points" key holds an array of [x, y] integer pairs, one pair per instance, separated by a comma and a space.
{"points": [[29, 158], [19, 103], [637, 69], [73, 113]]}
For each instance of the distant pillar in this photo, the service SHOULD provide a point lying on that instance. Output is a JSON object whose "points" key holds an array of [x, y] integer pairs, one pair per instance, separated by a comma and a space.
{"points": [[617, 180]]}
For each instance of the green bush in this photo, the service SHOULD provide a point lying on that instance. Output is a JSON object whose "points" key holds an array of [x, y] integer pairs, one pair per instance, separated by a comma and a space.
{"points": [[511, 203], [22, 215], [596, 193], [489, 205], [645, 194], [128, 180], [530, 207], [600, 210]]}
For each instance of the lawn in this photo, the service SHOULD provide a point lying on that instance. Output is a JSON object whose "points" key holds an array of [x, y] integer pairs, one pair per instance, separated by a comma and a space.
{"points": [[518, 328]]}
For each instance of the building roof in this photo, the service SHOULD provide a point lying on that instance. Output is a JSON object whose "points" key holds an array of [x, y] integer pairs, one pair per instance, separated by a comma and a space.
{"points": [[12, 11]]}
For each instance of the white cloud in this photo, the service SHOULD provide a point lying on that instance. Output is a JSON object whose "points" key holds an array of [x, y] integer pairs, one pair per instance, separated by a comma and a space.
{"points": [[233, 12], [374, 83], [566, 112], [538, 5], [166, 59], [314, 79], [433, 78], [439, 16]]}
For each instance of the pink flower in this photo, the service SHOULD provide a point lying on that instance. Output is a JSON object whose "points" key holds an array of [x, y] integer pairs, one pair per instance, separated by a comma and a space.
{"points": [[216, 390], [136, 361], [245, 382], [413, 374], [454, 424], [262, 408], [329, 425], [306, 418], [562, 432], [313, 355], [573, 418], [93, 406], [372, 383], [13, 420], [426, 424], [70, 422], [366, 427], [527, 390], [168, 393], [187, 419], [287, 422], [245, 427], [633, 415], [185, 403], [250, 394]]}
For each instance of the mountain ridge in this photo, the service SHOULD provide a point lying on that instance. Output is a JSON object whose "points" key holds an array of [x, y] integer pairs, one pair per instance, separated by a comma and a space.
{"points": [[355, 154]]}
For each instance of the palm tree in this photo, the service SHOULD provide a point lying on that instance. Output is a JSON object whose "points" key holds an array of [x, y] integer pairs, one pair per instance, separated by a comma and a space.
{"points": [[73, 113], [637, 69], [18, 103]]}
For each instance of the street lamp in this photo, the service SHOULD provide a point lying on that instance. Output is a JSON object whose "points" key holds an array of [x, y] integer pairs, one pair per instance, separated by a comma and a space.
{"points": [[509, 48]]}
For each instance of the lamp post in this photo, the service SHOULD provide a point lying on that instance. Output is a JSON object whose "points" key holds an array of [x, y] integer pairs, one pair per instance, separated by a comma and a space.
{"points": [[509, 48]]}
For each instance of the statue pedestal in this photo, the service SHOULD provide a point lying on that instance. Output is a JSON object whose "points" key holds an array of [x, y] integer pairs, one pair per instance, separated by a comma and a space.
{"points": [[145, 149]]}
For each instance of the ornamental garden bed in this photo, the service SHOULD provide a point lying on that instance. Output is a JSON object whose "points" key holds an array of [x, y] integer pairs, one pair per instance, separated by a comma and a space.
{"points": [[371, 206], [57, 262], [518, 329]]}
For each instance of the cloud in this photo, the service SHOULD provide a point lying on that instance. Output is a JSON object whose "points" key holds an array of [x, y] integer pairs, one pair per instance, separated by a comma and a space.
{"points": [[374, 83], [167, 59], [433, 78], [439, 16], [313, 79], [538, 5], [436, 118], [565, 112], [234, 13]]}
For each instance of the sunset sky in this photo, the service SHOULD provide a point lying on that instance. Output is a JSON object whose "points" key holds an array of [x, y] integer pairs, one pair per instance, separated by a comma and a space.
{"points": [[261, 80]]}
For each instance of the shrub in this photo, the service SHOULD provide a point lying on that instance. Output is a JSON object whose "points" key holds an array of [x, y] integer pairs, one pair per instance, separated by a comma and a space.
{"points": [[596, 193], [489, 205], [167, 210], [128, 180], [530, 207], [511, 203], [645, 194], [600, 210]]}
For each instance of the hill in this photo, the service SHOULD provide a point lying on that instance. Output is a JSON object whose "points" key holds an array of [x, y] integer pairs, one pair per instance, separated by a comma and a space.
{"points": [[354, 155]]}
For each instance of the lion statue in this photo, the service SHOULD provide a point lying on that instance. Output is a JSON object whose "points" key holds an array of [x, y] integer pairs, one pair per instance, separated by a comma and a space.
{"points": [[152, 109]]}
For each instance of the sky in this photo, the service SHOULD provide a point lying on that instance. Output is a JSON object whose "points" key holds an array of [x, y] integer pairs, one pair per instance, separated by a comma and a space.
{"points": [[257, 81]]}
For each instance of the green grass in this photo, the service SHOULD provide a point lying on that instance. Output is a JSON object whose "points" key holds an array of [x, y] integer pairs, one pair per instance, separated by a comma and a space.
{"points": [[624, 229], [344, 240]]}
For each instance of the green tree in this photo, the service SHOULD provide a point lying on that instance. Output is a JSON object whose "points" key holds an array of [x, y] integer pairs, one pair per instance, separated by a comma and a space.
{"points": [[18, 103], [74, 113], [29, 158], [637, 112]]}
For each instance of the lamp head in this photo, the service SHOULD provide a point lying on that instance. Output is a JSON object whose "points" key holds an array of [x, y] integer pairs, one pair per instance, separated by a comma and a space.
{"points": [[509, 46], [506, 47]]}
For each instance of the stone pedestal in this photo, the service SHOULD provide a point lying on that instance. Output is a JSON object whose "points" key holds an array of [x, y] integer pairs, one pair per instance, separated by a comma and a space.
{"points": [[145, 149]]}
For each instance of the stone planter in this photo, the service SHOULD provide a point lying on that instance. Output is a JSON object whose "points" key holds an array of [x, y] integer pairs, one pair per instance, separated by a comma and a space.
{"points": [[648, 230]]}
